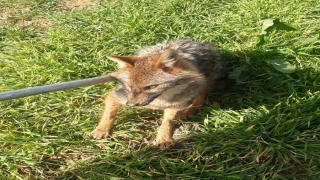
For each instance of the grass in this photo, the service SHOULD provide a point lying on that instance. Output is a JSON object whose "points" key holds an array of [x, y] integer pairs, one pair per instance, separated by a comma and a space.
{"points": [[263, 130]]}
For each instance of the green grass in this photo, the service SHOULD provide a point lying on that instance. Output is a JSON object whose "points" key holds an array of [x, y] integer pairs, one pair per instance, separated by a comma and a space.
{"points": [[263, 130]]}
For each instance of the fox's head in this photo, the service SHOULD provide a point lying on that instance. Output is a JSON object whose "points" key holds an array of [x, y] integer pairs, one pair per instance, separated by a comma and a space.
{"points": [[146, 78]]}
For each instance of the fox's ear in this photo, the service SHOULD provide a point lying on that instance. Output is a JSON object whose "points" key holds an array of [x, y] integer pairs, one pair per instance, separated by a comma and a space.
{"points": [[169, 58], [123, 61]]}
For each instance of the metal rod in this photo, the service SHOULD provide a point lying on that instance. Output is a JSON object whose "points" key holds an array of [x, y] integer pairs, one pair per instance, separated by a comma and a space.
{"points": [[54, 87]]}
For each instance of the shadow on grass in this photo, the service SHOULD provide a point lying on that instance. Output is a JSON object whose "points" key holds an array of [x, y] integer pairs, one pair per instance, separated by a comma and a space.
{"points": [[264, 131]]}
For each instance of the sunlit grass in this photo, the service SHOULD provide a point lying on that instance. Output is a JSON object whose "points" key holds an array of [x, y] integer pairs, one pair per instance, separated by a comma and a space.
{"points": [[261, 130]]}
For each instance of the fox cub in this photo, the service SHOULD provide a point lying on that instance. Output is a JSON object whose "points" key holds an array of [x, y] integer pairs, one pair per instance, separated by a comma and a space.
{"points": [[174, 76]]}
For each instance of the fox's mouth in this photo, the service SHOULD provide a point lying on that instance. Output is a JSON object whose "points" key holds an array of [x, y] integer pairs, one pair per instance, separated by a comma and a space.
{"points": [[138, 104], [152, 97]]}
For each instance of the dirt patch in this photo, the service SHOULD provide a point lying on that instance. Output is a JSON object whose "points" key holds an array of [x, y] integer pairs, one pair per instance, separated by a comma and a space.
{"points": [[10, 16], [41, 23], [73, 5], [7, 14]]}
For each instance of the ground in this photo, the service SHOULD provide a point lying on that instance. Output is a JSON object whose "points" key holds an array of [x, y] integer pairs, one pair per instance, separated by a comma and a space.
{"points": [[265, 128]]}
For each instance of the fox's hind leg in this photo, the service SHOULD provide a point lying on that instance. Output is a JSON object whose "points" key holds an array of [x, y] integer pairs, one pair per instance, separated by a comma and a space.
{"points": [[112, 105], [165, 131]]}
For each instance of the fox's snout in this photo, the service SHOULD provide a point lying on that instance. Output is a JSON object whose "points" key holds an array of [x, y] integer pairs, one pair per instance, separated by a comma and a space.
{"points": [[135, 98], [136, 103], [129, 103]]}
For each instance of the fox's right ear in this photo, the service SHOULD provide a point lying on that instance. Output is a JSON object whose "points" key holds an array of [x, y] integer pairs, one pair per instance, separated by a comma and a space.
{"points": [[123, 61], [168, 59]]}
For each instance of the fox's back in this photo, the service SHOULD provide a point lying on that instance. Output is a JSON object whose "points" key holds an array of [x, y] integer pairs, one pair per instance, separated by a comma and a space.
{"points": [[204, 56]]}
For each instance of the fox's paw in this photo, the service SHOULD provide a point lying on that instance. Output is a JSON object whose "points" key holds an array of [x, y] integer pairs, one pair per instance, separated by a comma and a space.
{"points": [[99, 134], [162, 143]]}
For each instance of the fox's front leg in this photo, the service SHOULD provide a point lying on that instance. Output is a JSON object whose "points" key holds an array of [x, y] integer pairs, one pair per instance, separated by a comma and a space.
{"points": [[165, 132], [112, 105]]}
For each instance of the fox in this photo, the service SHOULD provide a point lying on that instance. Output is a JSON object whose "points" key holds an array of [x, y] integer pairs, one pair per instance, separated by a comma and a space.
{"points": [[174, 76]]}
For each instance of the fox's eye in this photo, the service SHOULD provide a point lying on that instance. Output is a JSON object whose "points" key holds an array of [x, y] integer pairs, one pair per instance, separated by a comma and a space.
{"points": [[150, 87]]}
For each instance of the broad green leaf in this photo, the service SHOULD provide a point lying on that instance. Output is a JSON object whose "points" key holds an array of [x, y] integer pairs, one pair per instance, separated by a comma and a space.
{"points": [[275, 80], [282, 26], [240, 74], [261, 40], [267, 26], [236, 72], [282, 66], [270, 24]]}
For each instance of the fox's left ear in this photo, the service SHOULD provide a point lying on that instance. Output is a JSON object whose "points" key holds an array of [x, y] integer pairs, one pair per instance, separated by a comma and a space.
{"points": [[123, 61]]}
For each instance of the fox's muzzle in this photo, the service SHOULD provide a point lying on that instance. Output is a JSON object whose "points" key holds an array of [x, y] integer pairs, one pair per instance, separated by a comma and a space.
{"points": [[141, 99], [132, 103], [138, 103]]}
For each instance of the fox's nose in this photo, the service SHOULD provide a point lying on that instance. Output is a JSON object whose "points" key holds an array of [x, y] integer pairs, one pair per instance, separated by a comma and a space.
{"points": [[132, 103]]}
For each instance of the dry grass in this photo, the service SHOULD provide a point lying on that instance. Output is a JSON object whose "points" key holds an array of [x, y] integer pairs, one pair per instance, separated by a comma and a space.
{"points": [[63, 5]]}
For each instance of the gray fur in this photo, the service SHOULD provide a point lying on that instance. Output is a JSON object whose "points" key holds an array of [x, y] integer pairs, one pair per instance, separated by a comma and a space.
{"points": [[202, 55]]}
